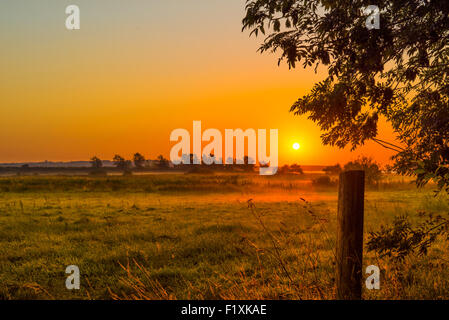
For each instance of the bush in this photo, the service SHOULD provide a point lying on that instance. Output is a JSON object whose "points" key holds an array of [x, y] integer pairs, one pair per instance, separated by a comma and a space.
{"points": [[324, 181], [333, 170], [293, 169], [372, 169]]}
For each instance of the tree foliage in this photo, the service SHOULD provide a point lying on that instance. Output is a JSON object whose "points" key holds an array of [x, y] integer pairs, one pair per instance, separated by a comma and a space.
{"points": [[402, 238], [162, 162], [399, 72], [294, 168], [121, 163], [372, 169], [96, 162], [139, 160], [335, 169]]}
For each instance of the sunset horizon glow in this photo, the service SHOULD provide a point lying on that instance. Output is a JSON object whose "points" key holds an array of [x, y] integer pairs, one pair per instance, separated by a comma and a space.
{"points": [[127, 78]]}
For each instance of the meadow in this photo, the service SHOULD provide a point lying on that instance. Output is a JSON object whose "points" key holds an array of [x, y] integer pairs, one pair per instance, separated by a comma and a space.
{"points": [[215, 236]]}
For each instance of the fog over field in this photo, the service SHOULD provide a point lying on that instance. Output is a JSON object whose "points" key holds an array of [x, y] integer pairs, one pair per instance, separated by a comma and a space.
{"points": [[221, 236]]}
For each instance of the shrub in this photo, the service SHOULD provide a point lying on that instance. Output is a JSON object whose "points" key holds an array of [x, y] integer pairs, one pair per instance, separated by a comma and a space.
{"points": [[323, 181], [372, 169]]}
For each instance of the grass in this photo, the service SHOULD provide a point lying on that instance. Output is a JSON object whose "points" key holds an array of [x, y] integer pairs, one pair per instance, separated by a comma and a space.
{"points": [[197, 237]]}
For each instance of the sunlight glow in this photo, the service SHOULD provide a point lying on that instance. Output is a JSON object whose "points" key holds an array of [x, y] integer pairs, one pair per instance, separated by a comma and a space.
{"points": [[296, 146]]}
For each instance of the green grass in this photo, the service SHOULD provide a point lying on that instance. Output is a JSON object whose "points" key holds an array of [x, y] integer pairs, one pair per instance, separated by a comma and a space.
{"points": [[194, 237]]}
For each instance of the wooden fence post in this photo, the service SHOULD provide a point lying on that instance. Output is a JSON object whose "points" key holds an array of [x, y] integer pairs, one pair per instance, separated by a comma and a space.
{"points": [[351, 196]]}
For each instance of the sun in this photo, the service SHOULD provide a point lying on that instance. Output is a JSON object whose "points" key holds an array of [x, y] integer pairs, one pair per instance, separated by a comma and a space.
{"points": [[296, 146]]}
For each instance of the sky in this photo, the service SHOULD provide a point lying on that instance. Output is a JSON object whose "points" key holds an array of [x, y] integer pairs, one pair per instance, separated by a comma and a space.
{"points": [[137, 70]]}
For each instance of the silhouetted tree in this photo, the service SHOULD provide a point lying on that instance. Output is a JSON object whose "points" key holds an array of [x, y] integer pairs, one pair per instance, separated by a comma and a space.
{"points": [[162, 162], [121, 163], [372, 169], [264, 165], [193, 158], [333, 169], [296, 168], [139, 160], [285, 169], [399, 71], [96, 163], [248, 166], [323, 181]]}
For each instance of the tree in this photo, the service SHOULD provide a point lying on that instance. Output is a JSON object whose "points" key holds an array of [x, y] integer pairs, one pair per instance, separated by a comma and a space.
{"points": [[399, 71], [372, 169], [120, 162], [139, 160], [334, 170], [96, 163], [285, 169], [162, 162], [296, 168], [247, 165]]}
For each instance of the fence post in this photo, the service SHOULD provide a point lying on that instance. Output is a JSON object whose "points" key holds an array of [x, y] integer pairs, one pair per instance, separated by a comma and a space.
{"points": [[351, 196]]}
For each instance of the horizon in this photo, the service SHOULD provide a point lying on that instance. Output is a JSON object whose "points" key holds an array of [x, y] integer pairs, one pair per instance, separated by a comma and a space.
{"points": [[110, 160], [154, 159]]}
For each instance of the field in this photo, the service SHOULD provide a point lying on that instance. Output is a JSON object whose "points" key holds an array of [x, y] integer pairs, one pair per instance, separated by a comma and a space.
{"points": [[198, 237]]}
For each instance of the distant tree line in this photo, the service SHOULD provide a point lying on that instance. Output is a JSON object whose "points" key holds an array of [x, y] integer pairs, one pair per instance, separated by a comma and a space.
{"points": [[125, 165], [371, 168], [190, 162], [291, 169], [210, 162]]}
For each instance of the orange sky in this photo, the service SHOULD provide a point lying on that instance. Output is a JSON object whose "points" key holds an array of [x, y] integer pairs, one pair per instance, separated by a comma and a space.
{"points": [[135, 72]]}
